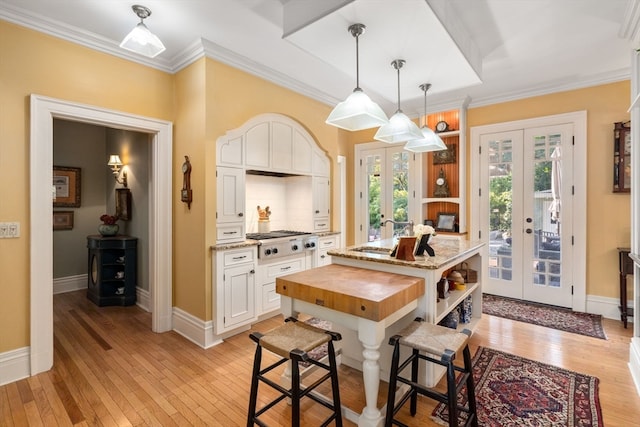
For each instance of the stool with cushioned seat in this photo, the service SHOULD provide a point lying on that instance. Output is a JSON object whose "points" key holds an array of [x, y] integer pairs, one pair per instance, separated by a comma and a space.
{"points": [[438, 345], [292, 341]]}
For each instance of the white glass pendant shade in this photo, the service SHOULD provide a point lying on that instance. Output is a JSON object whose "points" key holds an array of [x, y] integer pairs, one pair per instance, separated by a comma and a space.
{"points": [[357, 112], [399, 129], [143, 41], [430, 141]]}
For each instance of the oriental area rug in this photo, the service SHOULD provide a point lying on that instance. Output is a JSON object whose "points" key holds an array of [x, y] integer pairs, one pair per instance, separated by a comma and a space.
{"points": [[559, 318], [514, 391]]}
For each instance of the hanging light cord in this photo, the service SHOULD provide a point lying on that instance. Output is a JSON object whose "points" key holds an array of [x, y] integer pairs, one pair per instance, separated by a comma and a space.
{"points": [[425, 87], [357, 64], [397, 64]]}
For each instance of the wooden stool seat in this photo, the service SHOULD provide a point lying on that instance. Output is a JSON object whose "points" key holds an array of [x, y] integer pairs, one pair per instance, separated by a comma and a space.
{"points": [[439, 345], [291, 342], [432, 338]]}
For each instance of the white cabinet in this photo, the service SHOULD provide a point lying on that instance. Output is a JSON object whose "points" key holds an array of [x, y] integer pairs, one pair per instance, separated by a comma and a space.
{"points": [[230, 203], [257, 142], [281, 147], [325, 244], [230, 151], [234, 288], [266, 285], [321, 203], [303, 152]]}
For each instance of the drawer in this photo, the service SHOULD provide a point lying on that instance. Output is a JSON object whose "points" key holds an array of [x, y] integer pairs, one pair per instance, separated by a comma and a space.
{"points": [[328, 242], [238, 257], [321, 224], [270, 299], [269, 272], [230, 233]]}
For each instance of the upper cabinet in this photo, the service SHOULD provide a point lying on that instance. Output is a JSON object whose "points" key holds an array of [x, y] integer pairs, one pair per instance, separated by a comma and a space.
{"points": [[443, 183], [276, 146]]}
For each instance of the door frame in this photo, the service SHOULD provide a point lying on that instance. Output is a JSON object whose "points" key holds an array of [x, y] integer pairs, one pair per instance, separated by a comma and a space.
{"points": [[360, 234], [578, 217], [43, 111]]}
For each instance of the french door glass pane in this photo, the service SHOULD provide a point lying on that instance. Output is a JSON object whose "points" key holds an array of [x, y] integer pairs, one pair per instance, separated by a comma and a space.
{"points": [[500, 209], [400, 170], [373, 166], [546, 211]]}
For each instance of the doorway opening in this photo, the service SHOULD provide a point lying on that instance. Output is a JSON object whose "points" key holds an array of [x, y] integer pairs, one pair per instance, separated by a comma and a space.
{"points": [[43, 111]]}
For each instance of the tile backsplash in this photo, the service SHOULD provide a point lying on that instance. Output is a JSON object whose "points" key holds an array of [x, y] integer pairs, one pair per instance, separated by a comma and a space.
{"points": [[288, 198]]}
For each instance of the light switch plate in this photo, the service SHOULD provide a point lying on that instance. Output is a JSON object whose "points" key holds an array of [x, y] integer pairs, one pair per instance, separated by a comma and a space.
{"points": [[9, 230]]}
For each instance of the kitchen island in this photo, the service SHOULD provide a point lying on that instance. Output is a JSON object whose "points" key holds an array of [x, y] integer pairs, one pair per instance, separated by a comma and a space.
{"points": [[338, 297]]}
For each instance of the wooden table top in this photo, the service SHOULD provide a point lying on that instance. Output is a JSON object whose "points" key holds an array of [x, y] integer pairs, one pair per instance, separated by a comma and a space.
{"points": [[370, 294]]}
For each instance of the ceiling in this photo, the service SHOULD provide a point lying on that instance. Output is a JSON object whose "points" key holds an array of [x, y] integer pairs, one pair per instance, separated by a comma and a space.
{"points": [[485, 51]]}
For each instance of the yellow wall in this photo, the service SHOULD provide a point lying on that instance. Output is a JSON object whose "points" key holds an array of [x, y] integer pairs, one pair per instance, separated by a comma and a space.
{"points": [[33, 63], [608, 214]]}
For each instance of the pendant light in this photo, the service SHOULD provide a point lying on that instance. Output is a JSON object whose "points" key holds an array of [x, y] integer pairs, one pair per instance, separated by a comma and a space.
{"points": [[358, 111], [400, 127], [140, 39], [430, 141]]}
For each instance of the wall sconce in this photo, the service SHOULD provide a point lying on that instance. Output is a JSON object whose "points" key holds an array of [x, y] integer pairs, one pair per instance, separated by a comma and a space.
{"points": [[115, 163]]}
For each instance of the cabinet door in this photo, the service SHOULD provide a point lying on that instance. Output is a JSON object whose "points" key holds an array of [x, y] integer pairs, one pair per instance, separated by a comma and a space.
{"points": [[230, 197], [230, 151], [320, 196], [302, 153], [282, 146], [257, 144], [239, 295]]}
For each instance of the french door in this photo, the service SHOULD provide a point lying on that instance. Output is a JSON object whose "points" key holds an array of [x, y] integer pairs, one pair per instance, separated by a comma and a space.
{"points": [[527, 177], [385, 192]]}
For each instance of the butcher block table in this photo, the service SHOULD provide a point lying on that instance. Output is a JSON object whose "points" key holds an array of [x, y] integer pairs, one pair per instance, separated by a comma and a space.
{"points": [[362, 300]]}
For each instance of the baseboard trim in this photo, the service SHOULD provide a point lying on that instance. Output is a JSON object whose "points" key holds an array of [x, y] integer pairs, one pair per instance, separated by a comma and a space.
{"points": [[606, 307], [62, 285], [196, 330], [14, 365], [143, 298]]}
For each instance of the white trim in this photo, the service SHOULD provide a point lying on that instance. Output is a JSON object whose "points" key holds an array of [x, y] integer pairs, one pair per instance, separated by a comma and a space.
{"points": [[606, 307], [342, 183], [196, 330], [14, 365], [43, 111], [62, 285], [579, 216], [143, 299]]}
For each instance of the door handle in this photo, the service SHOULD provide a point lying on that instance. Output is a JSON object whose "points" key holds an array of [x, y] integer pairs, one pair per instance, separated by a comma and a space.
{"points": [[529, 220], [528, 231]]}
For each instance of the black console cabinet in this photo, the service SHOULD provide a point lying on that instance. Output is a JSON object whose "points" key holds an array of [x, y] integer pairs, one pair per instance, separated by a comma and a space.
{"points": [[113, 271]]}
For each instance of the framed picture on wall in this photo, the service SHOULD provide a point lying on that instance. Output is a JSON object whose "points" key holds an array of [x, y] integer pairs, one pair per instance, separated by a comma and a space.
{"points": [[63, 220], [123, 204], [66, 181]]}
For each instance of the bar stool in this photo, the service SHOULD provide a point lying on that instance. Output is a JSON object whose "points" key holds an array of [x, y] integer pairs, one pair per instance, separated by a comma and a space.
{"points": [[442, 344], [292, 341]]}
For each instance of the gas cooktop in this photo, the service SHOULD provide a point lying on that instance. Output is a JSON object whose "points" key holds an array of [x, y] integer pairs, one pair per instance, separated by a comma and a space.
{"points": [[275, 234]]}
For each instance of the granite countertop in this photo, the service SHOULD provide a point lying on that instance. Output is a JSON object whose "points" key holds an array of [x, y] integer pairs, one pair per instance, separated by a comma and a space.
{"points": [[249, 242], [447, 250]]}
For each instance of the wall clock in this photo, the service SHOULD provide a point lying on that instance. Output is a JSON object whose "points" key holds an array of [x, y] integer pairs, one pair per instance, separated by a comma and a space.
{"points": [[186, 194], [445, 156]]}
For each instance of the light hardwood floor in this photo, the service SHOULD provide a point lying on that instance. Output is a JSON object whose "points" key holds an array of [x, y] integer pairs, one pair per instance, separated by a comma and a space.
{"points": [[111, 370]]}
